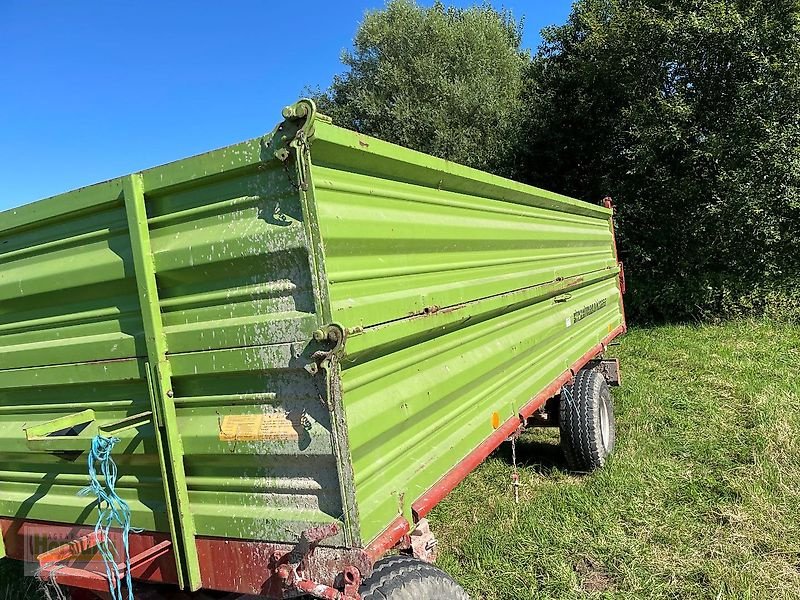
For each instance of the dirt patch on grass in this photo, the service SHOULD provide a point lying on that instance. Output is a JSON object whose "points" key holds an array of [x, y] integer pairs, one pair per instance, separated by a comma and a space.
{"points": [[592, 577]]}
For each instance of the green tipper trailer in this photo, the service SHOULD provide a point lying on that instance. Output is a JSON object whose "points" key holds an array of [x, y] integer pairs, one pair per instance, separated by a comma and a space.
{"points": [[302, 343]]}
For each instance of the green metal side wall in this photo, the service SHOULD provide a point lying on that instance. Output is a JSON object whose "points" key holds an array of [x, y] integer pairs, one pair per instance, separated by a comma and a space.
{"points": [[68, 299], [459, 290], [195, 289], [237, 304]]}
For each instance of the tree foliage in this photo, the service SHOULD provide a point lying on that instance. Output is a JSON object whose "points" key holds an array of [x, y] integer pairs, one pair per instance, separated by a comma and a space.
{"points": [[443, 80], [686, 112]]}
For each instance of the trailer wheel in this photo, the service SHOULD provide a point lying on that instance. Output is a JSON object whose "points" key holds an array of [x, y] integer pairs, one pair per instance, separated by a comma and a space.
{"points": [[586, 421], [402, 577]]}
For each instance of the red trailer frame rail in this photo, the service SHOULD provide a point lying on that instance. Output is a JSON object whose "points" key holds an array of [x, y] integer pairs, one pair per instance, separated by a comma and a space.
{"points": [[237, 566], [66, 550]]}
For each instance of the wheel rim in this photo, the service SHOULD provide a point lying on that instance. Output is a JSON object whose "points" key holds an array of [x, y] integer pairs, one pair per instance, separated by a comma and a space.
{"points": [[605, 427]]}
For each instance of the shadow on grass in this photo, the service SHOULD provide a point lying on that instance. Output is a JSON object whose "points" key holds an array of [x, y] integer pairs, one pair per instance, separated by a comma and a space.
{"points": [[541, 456]]}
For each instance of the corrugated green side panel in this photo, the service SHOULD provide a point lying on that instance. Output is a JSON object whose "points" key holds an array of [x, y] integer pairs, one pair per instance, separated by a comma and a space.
{"points": [[67, 287], [460, 290], [238, 303], [67, 296]]}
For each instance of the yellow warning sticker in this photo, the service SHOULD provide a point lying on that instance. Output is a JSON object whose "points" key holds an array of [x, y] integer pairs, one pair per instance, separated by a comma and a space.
{"points": [[252, 428]]}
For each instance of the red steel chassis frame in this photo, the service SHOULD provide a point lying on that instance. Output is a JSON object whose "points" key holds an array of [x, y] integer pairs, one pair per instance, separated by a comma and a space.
{"points": [[249, 567]]}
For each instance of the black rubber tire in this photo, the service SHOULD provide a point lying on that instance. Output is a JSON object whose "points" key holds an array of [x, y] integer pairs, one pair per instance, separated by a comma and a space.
{"points": [[586, 407], [402, 577]]}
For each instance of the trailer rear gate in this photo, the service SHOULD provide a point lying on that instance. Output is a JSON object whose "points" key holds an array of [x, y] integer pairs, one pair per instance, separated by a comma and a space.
{"points": [[303, 332]]}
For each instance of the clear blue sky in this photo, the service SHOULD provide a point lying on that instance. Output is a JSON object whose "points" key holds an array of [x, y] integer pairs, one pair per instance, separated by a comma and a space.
{"points": [[90, 90]]}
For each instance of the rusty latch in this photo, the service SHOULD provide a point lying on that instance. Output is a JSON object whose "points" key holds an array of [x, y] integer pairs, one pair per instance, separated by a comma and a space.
{"points": [[293, 567], [332, 335]]}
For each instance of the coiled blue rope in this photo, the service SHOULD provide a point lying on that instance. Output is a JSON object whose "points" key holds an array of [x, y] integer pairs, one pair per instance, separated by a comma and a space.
{"points": [[112, 511]]}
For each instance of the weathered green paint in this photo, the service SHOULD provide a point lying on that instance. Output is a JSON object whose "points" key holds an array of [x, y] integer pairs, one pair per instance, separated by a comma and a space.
{"points": [[168, 439], [193, 291], [156, 409], [456, 286]]}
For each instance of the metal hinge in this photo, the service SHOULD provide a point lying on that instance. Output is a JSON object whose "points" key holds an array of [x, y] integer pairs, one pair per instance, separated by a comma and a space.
{"points": [[301, 114], [332, 337]]}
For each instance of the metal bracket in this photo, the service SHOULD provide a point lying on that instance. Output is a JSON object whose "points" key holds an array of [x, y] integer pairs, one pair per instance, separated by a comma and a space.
{"points": [[608, 368], [423, 543], [547, 415], [302, 115], [51, 563], [74, 433], [332, 334], [292, 568]]}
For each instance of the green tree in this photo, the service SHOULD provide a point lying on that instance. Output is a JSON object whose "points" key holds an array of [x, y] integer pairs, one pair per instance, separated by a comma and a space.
{"points": [[442, 80], [688, 114]]}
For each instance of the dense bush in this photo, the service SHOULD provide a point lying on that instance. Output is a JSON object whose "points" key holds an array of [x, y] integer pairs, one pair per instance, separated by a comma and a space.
{"points": [[686, 112]]}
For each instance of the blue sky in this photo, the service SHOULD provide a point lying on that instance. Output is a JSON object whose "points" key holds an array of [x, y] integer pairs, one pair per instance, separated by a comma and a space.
{"points": [[92, 90]]}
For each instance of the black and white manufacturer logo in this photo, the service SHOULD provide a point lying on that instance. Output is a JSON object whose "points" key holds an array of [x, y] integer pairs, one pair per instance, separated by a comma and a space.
{"points": [[584, 312]]}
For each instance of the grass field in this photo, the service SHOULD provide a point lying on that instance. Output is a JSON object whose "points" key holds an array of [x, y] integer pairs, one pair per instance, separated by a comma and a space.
{"points": [[700, 500]]}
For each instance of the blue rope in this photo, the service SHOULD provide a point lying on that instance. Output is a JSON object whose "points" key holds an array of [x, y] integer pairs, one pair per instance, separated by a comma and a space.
{"points": [[112, 511]]}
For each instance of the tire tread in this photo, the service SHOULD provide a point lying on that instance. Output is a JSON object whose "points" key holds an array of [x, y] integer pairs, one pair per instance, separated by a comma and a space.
{"points": [[402, 577], [579, 421]]}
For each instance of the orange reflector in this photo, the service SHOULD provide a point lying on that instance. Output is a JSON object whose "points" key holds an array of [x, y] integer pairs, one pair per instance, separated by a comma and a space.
{"points": [[495, 420]]}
